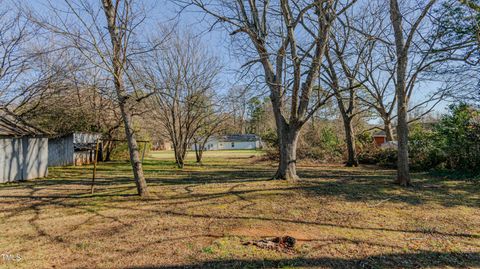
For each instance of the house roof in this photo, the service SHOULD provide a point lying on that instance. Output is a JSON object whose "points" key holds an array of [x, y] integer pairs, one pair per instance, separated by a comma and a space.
{"points": [[81, 140], [238, 138], [11, 125], [380, 134], [86, 138]]}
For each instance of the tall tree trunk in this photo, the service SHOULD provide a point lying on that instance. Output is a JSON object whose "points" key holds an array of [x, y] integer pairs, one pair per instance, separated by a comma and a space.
{"points": [[195, 144], [122, 97], [288, 138], [388, 130], [108, 155], [180, 153], [179, 156], [108, 150], [403, 171], [199, 156], [180, 162], [135, 159], [201, 148], [198, 152], [352, 159], [100, 153], [105, 150]]}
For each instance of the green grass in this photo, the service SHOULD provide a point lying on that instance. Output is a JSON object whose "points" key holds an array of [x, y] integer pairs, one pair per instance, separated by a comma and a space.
{"points": [[208, 155], [201, 215]]}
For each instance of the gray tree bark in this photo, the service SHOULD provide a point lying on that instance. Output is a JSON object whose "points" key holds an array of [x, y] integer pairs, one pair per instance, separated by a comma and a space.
{"points": [[245, 17], [403, 173], [198, 153], [287, 167], [402, 46], [352, 159], [118, 65], [387, 128], [180, 151]]}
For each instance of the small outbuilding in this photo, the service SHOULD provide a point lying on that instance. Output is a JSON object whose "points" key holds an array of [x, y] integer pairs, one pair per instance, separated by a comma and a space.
{"points": [[233, 142], [23, 150], [72, 149], [379, 138]]}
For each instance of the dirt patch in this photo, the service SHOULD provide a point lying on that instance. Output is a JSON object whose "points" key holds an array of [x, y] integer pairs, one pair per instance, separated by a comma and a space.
{"points": [[283, 244], [267, 232]]}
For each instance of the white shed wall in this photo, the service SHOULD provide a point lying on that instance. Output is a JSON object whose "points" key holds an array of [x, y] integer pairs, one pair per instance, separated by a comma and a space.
{"points": [[23, 158], [61, 151]]}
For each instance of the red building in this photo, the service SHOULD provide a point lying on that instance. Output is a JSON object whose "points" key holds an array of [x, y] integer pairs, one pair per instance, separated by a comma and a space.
{"points": [[379, 138]]}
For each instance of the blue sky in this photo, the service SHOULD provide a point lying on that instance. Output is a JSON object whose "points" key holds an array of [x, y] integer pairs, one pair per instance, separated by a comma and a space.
{"points": [[166, 12], [217, 40]]}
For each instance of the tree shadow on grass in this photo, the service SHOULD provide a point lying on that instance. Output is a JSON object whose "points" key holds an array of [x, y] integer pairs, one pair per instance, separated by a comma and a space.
{"points": [[246, 185], [349, 184], [424, 259], [358, 185], [367, 184], [246, 196]]}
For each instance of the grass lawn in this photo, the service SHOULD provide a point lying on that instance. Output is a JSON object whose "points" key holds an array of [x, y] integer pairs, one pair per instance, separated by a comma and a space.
{"points": [[200, 216]]}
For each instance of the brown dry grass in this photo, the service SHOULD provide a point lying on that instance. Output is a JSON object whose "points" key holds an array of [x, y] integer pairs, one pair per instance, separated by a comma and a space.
{"points": [[199, 217]]}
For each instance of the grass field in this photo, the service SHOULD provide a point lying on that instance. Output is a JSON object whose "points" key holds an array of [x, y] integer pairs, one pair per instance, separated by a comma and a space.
{"points": [[200, 216]]}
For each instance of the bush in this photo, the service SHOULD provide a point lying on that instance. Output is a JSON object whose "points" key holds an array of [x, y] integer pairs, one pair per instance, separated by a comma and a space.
{"points": [[320, 144], [459, 138], [120, 152], [317, 144], [387, 158], [382, 157], [424, 150], [366, 149], [452, 144], [270, 139], [364, 142], [367, 157]]}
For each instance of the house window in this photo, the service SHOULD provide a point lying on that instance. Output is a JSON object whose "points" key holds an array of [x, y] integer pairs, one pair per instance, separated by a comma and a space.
{"points": [[233, 144]]}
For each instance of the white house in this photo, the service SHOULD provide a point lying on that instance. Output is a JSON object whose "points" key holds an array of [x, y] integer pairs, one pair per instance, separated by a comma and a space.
{"points": [[233, 142]]}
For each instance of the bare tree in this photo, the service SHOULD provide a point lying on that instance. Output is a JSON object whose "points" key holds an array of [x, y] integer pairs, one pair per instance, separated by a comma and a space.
{"points": [[109, 42], [237, 100], [119, 26], [348, 52], [457, 25], [210, 126], [15, 33], [378, 76], [403, 41], [374, 68], [288, 39], [183, 76], [379, 93]]}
